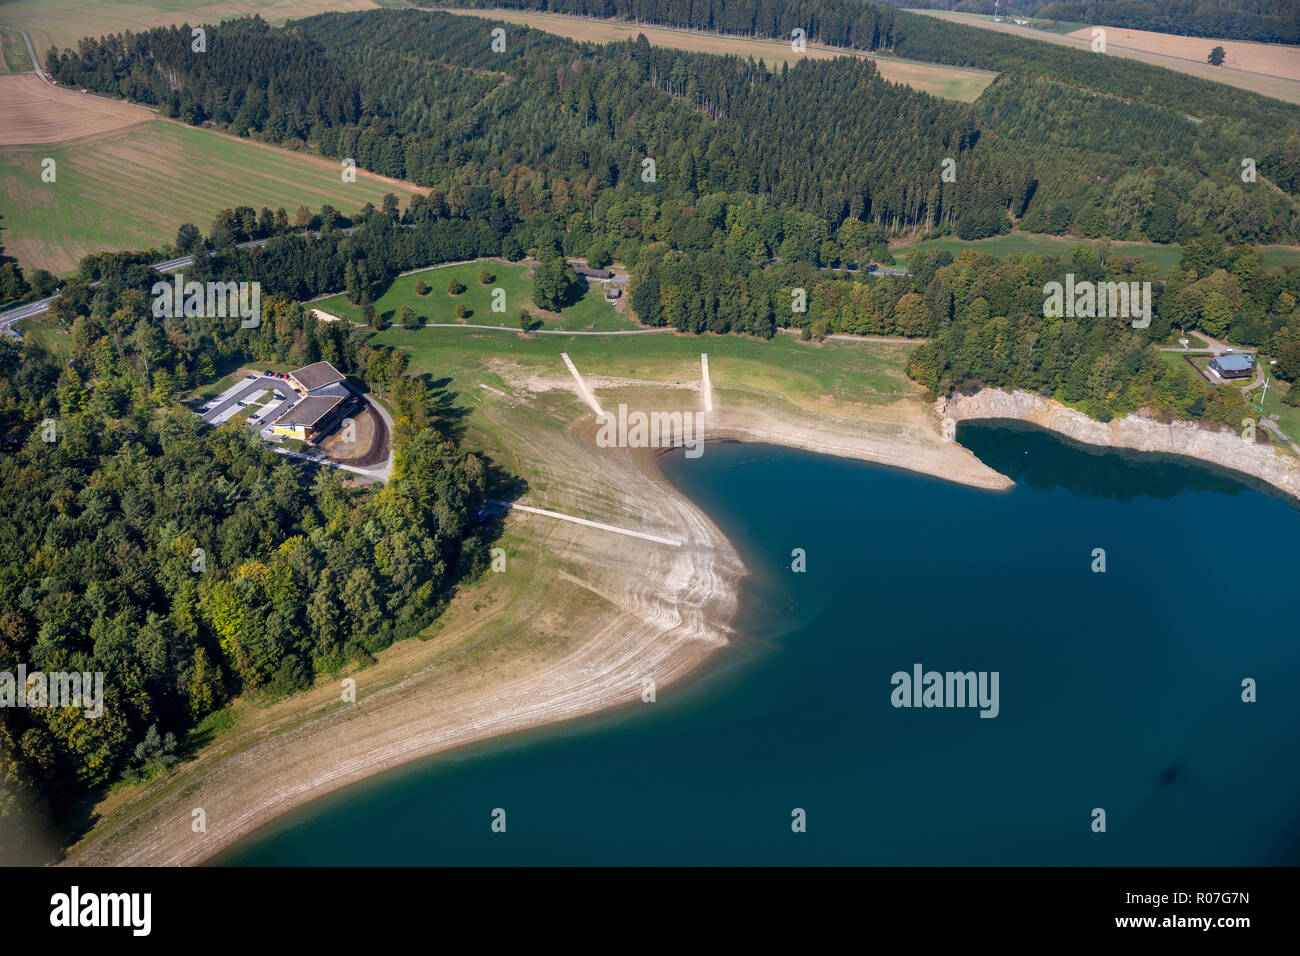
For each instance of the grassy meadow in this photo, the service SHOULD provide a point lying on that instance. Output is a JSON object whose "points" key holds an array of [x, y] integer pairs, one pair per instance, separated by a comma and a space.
{"points": [[950, 82], [15, 57], [438, 306], [803, 373]]}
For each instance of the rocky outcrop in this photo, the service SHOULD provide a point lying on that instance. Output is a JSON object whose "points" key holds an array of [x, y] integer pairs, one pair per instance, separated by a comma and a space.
{"points": [[1138, 432]]}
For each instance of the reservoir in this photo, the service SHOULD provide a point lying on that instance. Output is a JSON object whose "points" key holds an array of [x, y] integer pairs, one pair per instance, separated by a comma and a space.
{"points": [[1119, 690]]}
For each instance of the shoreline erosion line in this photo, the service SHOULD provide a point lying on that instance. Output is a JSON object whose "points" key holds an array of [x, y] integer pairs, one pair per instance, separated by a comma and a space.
{"points": [[1222, 448], [661, 613]]}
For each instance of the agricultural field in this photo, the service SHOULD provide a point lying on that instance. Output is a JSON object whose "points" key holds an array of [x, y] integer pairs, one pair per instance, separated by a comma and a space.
{"points": [[14, 58], [131, 188], [1164, 255], [1270, 59], [1272, 70], [438, 306], [950, 82], [32, 111], [62, 23]]}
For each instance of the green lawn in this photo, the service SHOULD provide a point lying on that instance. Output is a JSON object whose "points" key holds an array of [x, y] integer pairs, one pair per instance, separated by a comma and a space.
{"points": [[1288, 416], [1176, 361], [47, 333], [437, 306], [1165, 256]]}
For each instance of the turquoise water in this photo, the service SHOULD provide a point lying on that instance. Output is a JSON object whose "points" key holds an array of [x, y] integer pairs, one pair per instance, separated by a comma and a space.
{"points": [[1118, 690]]}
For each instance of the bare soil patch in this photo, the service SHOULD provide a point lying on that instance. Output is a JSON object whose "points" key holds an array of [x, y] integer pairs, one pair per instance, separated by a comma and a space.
{"points": [[32, 111]]}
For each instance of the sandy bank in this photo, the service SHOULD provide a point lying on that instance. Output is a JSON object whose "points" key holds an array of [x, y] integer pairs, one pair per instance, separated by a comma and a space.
{"points": [[1222, 447]]}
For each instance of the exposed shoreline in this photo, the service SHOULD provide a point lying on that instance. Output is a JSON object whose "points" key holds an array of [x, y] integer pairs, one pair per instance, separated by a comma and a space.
{"points": [[602, 614], [1221, 447], [644, 610]]}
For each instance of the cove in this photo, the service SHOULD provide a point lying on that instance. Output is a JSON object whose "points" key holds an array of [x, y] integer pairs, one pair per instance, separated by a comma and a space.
{"points": [[1118, 690]]}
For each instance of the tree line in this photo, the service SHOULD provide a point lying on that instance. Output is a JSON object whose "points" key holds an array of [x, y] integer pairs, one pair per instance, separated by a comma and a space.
{"points": [[442, 108], [188, 563]]}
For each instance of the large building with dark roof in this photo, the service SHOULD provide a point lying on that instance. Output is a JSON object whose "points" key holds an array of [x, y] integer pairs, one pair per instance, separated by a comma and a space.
{"points": [[325, 399], [1236, 365], [317, 375]]}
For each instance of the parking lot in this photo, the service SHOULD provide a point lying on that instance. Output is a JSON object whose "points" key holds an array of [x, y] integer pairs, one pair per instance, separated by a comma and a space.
{"points": [[241, 399]]}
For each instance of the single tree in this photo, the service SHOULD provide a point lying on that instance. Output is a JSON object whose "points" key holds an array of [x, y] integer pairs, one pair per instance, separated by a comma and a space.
{"points": [[421, 288], [43, 283], [485, 277], [408, 317], [455, 286], [461, 311], [555, 284], [1217, 56], [525, 320], [372, 317], [188, 237]]}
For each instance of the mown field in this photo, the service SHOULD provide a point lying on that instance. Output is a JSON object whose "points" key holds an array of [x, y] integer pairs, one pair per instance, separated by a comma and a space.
{"points": [[946, 81], [132, 188], [1271, 59], [33, 111], [1274, 71], [62, 23], [1165, 256], [13, 53], [438, 306]]}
